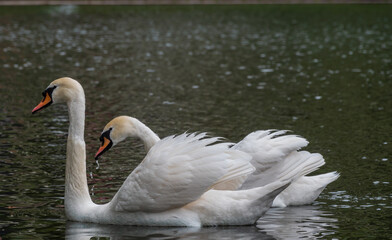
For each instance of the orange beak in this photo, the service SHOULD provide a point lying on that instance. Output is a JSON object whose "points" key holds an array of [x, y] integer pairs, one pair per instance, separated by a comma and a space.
{"points": [[44, 103], [104, 147]]}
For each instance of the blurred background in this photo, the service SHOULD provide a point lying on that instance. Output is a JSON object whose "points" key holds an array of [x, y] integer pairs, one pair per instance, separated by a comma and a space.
{"points": [[322, 71]]}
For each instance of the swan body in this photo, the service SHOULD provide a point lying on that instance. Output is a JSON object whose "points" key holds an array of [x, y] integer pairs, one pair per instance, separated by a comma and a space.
{"points": [[175, 185], [274, 155]]}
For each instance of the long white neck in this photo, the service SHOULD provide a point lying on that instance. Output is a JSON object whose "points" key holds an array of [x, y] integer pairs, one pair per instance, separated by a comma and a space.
{"points": [[76, 190], [148, 137]]}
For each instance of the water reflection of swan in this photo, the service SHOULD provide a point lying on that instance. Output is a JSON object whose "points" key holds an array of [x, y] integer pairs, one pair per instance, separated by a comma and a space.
{"points": [[85, 231], [278, 223], [174, 184], [297, 222]]}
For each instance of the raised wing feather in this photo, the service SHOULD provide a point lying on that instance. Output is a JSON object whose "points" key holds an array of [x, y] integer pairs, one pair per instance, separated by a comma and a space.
{"points": [[269, 147], [270, 151], [176, 171]]}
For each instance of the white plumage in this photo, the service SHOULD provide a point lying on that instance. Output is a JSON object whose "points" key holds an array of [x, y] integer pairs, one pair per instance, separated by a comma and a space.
{"points": [[274, 156], [304, 190], [177, 171]]}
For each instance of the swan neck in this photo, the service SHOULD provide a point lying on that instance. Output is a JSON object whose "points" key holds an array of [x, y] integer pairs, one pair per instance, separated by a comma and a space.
{"points": [[76, 110], [77, 195], [148, 137]]}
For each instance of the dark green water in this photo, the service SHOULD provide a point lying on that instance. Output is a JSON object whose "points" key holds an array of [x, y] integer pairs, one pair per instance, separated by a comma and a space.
{"points": [[324, 72]]}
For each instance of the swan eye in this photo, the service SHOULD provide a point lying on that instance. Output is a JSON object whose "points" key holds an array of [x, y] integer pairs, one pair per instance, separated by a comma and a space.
{"points": [[104, 135], [48, 90]]}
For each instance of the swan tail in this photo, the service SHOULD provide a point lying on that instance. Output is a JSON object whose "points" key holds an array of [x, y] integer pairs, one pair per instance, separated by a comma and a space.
{"points": [[267, 194], [327, 178], [240, 207], [305, 190]]}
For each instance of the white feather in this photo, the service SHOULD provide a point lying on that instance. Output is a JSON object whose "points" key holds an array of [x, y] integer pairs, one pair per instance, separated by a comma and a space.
{"points": [[176, 171], [276, 157], [304, 190]]}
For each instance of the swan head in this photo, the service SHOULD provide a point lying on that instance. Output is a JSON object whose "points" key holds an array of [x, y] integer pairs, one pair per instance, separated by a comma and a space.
{"points": [[114, 132], [59, 91]]}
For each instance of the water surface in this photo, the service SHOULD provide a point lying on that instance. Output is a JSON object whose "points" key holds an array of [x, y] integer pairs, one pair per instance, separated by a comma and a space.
{"points": [[324, 72]]}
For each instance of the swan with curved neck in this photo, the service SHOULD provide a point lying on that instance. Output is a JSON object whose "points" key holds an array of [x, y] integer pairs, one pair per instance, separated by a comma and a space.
{"points": [[259, 145], [173, 185]]}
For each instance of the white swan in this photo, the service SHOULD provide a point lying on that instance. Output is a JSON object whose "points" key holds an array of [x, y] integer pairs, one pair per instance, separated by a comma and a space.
{"points": [[274, 156], [173, 185]]}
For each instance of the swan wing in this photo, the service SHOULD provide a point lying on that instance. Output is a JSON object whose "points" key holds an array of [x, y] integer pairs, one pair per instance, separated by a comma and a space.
{"points": [[239, 170], [176, 171], [269, 147], [275, 157]]}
